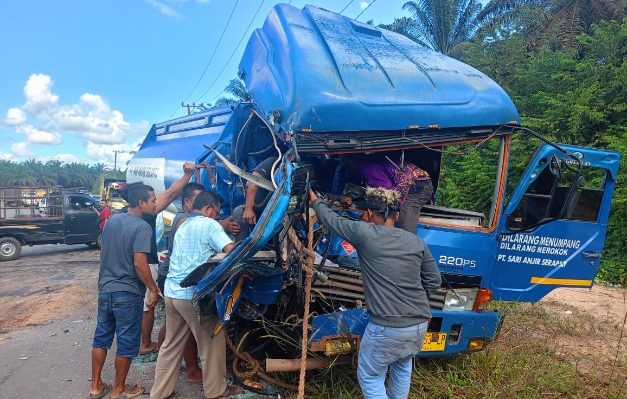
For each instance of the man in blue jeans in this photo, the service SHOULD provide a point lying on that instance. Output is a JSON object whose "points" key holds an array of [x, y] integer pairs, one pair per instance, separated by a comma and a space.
{"points": [[122, 282], [399, 274]]}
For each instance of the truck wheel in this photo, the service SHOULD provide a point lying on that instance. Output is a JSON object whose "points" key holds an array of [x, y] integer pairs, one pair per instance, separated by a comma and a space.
{"points": [[10, 248]]}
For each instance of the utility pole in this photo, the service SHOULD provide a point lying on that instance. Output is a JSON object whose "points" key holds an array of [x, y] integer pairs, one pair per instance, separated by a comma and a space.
{"points": [[193, 107], [115, 159]]}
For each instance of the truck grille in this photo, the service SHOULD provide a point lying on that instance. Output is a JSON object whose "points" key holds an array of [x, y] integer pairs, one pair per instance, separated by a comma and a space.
{"points": [[344, 286]]}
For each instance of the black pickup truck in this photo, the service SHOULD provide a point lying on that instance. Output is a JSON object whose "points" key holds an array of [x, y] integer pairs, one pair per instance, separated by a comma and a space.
{"points": [[45, 216]]}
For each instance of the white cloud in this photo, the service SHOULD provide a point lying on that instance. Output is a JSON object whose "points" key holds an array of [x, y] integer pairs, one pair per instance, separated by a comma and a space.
{"points": [[170, 8], [6, 156], [67, 158], [15, 117], [104, 153], [94, 120], [165, 9], [37, 136], [20, 149], [43, 120], [39, 97], [363, 4]]}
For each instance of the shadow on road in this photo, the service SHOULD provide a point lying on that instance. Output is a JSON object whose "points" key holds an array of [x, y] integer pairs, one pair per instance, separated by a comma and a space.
{"points": [[52, 249]]}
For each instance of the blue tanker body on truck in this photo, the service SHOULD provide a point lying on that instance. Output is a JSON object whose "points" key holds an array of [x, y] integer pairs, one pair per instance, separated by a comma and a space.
{"points": [[326, 88]]}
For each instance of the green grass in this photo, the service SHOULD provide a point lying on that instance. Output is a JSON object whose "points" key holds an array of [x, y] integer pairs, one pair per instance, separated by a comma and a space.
{"points": [[526, 361]]}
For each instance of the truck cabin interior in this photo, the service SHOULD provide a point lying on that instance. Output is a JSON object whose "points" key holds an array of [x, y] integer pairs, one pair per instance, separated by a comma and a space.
{"points": [[434, 151]]}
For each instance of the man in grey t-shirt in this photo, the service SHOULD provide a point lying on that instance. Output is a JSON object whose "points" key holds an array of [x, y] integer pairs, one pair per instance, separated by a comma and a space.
{"points": [[122, 282], [399, 274]]}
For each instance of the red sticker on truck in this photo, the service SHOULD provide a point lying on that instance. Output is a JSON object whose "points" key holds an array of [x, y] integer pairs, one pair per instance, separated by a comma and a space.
{"points": [[348, 247]]}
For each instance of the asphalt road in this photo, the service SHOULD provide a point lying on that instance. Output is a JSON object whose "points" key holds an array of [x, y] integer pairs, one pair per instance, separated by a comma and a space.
{"points": [[52, 249], [48, 301]]}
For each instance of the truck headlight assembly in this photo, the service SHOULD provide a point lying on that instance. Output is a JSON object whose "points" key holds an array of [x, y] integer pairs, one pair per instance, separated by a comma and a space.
{"points": [[460, 299]]}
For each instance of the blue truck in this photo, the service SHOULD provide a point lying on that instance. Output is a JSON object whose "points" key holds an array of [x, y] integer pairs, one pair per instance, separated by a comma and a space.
{"points": [[326, 88]]}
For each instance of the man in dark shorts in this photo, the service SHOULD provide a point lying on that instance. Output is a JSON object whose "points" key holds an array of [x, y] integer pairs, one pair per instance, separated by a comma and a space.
{"points": [[122, 282], [256, 200]]}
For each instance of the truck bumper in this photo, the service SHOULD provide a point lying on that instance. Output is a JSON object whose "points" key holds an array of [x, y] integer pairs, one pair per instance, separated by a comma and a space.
{"points": [[465, 331]]}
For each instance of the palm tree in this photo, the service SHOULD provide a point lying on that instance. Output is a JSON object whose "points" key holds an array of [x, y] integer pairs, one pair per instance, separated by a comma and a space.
{"points": [[444, 24], [235, 92], [22, 180], [565, 19], [407, 27]]}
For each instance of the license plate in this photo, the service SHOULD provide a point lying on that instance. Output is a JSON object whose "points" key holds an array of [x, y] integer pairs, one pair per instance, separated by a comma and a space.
{"points": [[433, 342], [338, 346]]}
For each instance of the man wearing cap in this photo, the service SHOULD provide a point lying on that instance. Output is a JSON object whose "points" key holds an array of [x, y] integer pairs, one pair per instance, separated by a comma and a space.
{"points": [[399, 274]]}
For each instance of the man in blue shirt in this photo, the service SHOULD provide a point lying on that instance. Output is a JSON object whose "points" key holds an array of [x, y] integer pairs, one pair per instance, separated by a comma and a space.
{"points": [[196, 240], [122, 282]]}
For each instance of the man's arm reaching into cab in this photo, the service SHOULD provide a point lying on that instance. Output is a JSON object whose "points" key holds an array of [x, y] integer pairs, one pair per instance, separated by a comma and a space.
{"points": [[166, 197]]}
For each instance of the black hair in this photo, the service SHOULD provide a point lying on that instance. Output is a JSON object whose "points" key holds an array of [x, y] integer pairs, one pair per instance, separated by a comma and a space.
{"points": [[378, 206], [136, 192], [189, 188], [206, 198]]}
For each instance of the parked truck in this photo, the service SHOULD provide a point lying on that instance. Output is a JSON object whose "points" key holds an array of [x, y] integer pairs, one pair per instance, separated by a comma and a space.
{"points": [[60, 217], [111, 191], [325, 89]]}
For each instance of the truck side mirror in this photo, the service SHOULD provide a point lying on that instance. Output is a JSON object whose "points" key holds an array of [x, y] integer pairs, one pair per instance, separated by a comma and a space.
{"points": [[555, 167]]}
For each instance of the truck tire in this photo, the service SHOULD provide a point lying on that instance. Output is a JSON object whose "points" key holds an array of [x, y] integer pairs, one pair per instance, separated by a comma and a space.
{"points": [[10, 248]]}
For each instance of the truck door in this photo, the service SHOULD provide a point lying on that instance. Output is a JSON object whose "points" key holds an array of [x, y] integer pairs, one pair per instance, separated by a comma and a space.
{"points": [[81, 221], [553, 230]]}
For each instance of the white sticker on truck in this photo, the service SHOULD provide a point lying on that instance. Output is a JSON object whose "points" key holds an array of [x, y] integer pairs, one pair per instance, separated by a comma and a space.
{"points": [[149, 171]]}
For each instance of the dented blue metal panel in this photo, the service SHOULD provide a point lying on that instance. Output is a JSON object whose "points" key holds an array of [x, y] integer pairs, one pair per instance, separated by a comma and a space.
{"points": [[326, 72], [269, 224]]}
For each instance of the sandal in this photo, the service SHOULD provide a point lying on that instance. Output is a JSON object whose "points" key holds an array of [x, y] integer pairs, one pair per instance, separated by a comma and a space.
{"points": [[131, 392], [106, 388]]}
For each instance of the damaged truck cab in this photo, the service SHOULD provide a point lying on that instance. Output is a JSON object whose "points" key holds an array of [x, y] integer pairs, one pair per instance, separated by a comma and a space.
{"points": [[325, 89]]}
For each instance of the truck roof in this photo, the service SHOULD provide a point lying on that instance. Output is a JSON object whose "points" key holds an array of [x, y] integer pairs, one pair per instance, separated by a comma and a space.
{"points": [[324, 72]]}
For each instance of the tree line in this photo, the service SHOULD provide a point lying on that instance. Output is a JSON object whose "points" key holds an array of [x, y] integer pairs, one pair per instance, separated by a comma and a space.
{"points": [[33, 173]]}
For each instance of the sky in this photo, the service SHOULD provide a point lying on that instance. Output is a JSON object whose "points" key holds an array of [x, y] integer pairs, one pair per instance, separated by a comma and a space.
{"points": [[81, 79]]}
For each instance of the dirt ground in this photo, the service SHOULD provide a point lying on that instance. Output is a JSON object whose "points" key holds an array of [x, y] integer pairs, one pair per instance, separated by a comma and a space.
{"points": [[47, 319], [48, 301]]}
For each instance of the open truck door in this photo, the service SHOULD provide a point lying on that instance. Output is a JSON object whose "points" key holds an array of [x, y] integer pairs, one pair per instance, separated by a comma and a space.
{"points": [[553, 230]]}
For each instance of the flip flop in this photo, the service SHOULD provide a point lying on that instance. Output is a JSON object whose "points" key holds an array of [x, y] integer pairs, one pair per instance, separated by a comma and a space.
{"points": [[153, 350], [131, 392], [106, 388]]}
